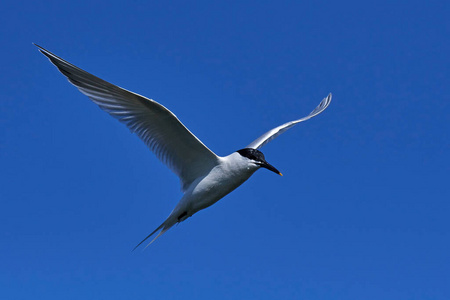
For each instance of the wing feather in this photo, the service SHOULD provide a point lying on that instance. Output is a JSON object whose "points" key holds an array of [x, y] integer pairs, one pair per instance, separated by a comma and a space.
{"points": [[157, 126], [273, 133]]}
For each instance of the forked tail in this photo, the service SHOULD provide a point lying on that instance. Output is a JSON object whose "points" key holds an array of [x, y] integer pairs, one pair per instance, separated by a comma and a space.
{"points": [[166, 225]]}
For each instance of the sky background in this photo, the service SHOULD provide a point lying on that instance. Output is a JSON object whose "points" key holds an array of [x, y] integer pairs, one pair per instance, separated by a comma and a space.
{"points": [[362, 211]]}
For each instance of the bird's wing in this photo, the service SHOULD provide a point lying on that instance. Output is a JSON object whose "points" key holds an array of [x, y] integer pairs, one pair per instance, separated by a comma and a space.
{"points": [[157, 126], [273, 133]]}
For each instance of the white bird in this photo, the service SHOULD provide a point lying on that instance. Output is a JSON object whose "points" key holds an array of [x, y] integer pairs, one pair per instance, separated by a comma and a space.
{"points": [[205, 177]]}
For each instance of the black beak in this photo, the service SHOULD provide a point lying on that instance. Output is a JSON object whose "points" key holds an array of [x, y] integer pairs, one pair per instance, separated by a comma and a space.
{"points": [[270, 167]]}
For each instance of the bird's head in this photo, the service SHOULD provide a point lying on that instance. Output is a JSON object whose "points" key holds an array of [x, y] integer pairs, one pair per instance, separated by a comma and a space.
{"points": [[256, 157]]}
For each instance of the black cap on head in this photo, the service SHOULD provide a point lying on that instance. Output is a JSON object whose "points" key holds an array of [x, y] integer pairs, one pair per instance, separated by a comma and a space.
{"points": [[259, 158], [251, 153]]}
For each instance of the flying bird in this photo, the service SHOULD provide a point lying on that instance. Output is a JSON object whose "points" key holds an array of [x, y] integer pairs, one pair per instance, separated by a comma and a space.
{"points": [[204, 176]]}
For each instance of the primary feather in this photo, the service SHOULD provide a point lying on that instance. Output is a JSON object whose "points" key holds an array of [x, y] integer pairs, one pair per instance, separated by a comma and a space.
{"points": [[157, 126], [273, 133]]}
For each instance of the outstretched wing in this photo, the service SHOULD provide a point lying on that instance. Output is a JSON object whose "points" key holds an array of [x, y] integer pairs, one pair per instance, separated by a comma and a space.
{"points": [[273, 133], [157, 126]]}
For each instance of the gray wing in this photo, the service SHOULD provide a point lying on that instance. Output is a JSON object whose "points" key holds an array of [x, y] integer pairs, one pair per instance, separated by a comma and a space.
{"points": [[157, 126], [273, 133]]}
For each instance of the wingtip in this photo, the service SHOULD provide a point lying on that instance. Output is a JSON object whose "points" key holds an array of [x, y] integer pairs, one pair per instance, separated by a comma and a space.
{"points": [[47, 53], [326, 101], [40, 48]]}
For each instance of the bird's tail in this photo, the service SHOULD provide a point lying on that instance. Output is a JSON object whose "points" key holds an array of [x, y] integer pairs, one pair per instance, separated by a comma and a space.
{"points": [[166, 225]]}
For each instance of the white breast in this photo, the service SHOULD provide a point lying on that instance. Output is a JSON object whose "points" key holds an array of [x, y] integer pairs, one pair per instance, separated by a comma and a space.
{"points": [[231, 172]]}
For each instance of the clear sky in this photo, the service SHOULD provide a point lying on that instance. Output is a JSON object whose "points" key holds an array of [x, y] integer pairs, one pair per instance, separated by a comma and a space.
{"points": [[362, 211]]}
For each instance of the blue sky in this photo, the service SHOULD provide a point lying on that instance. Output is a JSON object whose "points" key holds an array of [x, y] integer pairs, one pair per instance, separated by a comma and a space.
{"points": [[362, 211]]}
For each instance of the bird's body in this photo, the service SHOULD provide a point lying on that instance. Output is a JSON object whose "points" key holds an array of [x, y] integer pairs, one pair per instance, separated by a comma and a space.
{"points": [[205, 177], [230, 172]]}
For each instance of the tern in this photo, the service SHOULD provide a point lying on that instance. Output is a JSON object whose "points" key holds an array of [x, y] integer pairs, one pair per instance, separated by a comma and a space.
{"points": [[204, 176]]}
